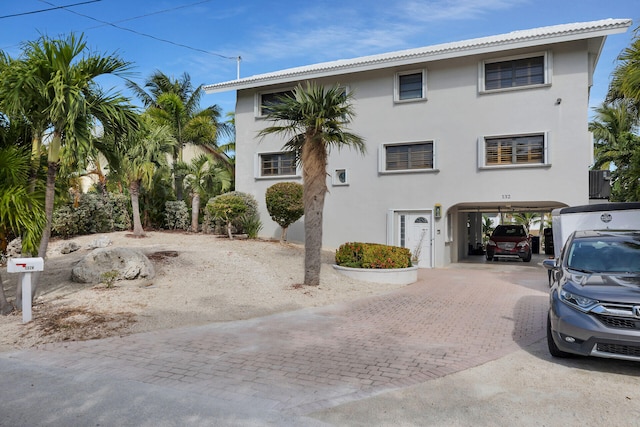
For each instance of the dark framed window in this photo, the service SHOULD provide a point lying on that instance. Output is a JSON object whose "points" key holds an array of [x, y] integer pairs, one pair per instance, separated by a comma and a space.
{"points": [[410, 85], [514, 73], [515, 150], [277, 164], [409, 156], [271, 98]]}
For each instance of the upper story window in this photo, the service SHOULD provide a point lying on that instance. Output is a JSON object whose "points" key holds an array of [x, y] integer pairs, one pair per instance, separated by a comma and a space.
{"points": [[410, 86], [412, 157], [517, 72], [515, 150], [265, 99], [276, 164]]}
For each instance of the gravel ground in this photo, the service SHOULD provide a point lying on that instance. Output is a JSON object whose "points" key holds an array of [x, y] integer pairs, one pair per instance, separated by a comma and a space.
{"points": [[199, 279]]}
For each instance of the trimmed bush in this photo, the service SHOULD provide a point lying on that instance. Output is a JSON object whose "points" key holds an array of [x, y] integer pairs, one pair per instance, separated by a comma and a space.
{"points": [[285, 205], [211, 224], [372, 255], [228, 208]]}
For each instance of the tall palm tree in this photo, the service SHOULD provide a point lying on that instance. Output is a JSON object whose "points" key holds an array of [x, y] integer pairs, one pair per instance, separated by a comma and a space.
{"points": [[59, 76], [175, 103], [142, 154], [617, 147], [625, 83], [22, 96], [204, 176], [314, 120], [21, 211], [64, 75]]}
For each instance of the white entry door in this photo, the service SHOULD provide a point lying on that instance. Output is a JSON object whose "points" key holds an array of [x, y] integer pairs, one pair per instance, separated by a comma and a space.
{"points": [[418, 237]]}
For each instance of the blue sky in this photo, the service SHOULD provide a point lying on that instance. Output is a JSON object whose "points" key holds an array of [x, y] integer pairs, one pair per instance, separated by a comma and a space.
{"points": [[279, 34]]}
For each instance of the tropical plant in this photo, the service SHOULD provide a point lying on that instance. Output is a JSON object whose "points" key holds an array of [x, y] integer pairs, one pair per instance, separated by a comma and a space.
{"points": [[487, 226], [228, 207], [176, 104], [526, 218], [60, 74], [21, 211], [284, 203], [625, 83], [142, 155], [176, 215], [204, 176], [314, 119], [617, 147]]}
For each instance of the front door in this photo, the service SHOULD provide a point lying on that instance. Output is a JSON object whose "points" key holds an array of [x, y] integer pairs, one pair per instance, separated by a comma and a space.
{"points": [[418, 237]]}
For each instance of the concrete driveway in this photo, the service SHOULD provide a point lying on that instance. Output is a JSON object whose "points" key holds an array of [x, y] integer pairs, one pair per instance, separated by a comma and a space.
{"points": [[462, 346]]}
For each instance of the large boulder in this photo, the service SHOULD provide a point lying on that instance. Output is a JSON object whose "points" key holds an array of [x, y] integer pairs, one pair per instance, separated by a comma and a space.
{"points": [[129, 264]]}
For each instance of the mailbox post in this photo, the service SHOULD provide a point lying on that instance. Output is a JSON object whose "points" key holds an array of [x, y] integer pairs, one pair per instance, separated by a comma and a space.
{"points": [[25, 266]]}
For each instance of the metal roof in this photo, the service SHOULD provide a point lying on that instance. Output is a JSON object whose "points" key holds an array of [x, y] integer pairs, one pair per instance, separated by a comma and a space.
{"points": [[512, 40]]}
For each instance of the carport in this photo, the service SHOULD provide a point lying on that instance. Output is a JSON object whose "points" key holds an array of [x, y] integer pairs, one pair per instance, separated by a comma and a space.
{"points": [[467, 224]]}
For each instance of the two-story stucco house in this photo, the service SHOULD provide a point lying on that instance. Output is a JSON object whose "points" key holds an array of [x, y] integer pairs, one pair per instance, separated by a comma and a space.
{"points": [[495, 124]]}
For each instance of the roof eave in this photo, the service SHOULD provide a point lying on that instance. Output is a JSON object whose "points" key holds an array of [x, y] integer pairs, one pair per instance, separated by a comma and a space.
{"points": [[408, 57]]}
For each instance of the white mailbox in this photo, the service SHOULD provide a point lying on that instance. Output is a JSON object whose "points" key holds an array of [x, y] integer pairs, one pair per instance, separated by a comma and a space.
{"points": [[25, 265]]}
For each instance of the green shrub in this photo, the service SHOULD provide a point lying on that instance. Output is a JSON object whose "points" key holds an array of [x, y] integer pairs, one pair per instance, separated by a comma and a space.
{"points": [[94, 213], [120, 211], [372, 255], [251, 225], [64, 222], [285, 205], [213, 224], [176, 215], [228, 208]]}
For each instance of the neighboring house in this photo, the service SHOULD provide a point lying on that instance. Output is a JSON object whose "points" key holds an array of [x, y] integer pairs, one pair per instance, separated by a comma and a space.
{"points": [[452, 131]]}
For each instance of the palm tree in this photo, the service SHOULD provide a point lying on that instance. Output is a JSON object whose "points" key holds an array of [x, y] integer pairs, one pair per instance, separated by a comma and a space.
{"points": [[21, 211], [59, 76], [617, 146], [526, 219], [204, 176], [176, 103], [625, 83], [142, 154], [21, 96], [314, 120]]}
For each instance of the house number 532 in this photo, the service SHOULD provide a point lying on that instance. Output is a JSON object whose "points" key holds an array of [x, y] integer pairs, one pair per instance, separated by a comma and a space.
{"points": [[506, 196]]}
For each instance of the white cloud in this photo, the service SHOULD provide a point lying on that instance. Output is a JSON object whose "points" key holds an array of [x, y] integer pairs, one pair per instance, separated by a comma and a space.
{"points": [[356, 31]]}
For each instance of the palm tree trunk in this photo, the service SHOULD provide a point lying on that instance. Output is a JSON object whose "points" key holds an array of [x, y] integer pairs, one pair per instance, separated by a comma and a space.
{"points": [[35, 160], [314, 175], [50, 193], [195, 210], [134, 189]]}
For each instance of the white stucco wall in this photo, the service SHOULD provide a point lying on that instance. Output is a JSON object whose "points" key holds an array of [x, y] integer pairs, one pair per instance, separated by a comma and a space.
{"points": [[456, 116]]}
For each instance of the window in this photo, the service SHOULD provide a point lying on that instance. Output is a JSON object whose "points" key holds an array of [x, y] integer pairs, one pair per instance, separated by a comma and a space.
{"points": [[418, 156], [515, 150], [263, 100], [410, 86], [277, 164], [340, 177], [515, 73]]}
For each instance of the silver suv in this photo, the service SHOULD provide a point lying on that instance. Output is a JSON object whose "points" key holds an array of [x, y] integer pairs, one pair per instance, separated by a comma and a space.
{"points": [[595, 296]]}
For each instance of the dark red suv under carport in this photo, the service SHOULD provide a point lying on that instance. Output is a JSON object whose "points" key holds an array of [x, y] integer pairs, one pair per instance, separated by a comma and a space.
{"points": [[509, 241]]}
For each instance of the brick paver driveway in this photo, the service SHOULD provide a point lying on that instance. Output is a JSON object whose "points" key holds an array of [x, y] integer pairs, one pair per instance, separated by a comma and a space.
{"points": [[297, 362]]}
